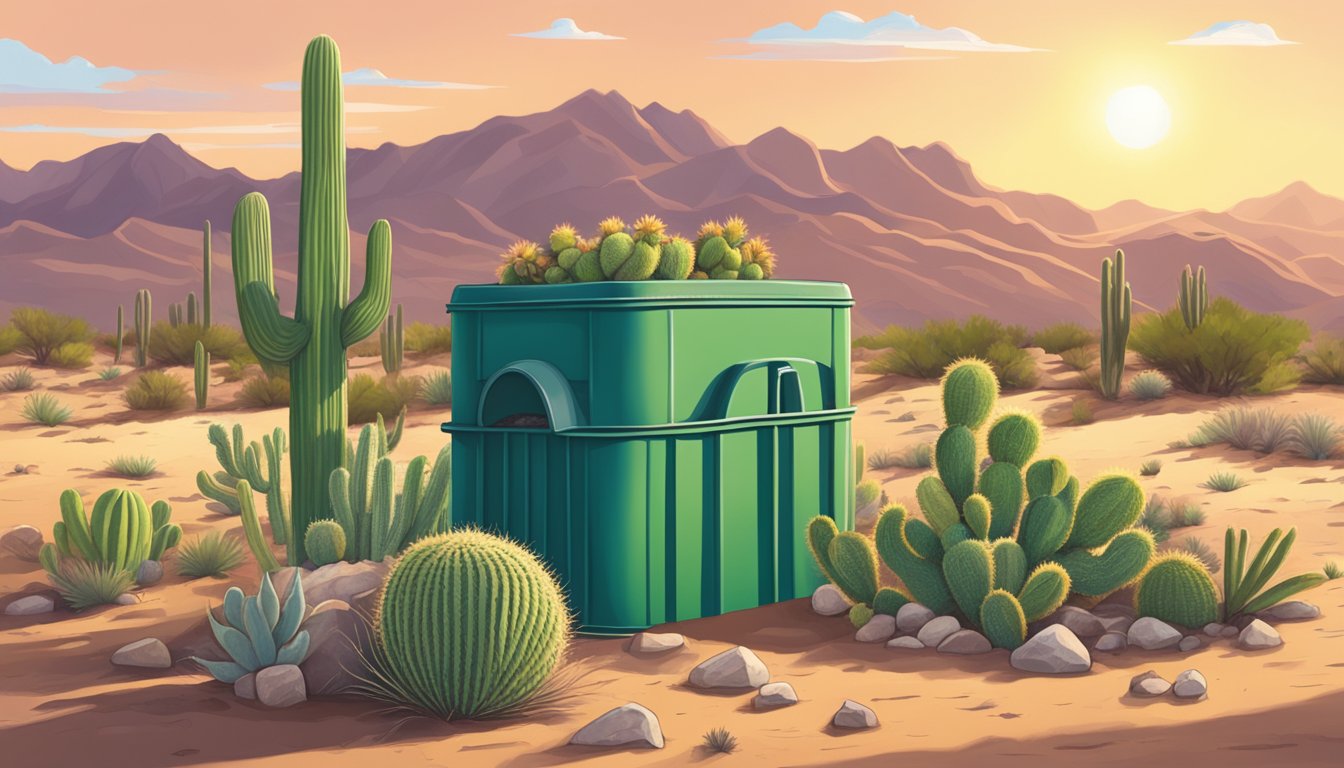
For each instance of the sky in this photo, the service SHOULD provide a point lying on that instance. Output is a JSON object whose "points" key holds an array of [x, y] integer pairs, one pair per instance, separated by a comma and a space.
{"points": [[1018, 89]]}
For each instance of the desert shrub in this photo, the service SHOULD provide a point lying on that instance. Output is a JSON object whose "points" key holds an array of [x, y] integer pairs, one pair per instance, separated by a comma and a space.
{"points": [[866, 492], [109, 373], [18, 380], [1315, 436], [236, 369], [1081, 411], [1332, 570], [1150, 468], [720, 741], [1062, 337], [10, 338], [439, 388], [155, 391], [176, 345], [1233, 351], [43, 408], [41, 331], [1079, 358], [1322, 364], [924, 352], [1310, 435], [1161, 516], [1224, 482], [83, 584], [1202, 552], [134, 467], [264, 391], [211, 555], [429, 339], [1150, 385], [73, 355], [917, 456], [370, 397]]}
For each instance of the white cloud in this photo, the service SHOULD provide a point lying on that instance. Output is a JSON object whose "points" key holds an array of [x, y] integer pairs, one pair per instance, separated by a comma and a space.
{"points": [[23, 70], [896, 32], [1242, 33], [565, 29], [368, 76]]}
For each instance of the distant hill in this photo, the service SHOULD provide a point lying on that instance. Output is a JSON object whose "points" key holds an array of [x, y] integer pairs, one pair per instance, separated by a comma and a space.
{"points": [[912, 229]]}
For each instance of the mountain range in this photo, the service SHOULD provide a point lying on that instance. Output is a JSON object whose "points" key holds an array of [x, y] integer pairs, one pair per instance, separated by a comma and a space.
{"points": [[912, 230]]}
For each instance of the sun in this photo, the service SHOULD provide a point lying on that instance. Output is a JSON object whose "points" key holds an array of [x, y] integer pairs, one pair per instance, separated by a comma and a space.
{"points": [[1138, 116]]}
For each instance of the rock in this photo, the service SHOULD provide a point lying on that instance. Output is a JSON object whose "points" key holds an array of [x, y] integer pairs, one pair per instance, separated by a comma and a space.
{"points": [[1188, 644], [879, 629], [1229, 631], [30, 606], [828, 600], [1080, 622], [1115, 610], [965, 642], [774, 695], [912, 617], [905, 641], [1153, 634], [126, 598], [656, 642], [1293, 610], [1148, 684], [1116, 623], [150, 653], [1112, 642], [1257, 636], [337, 636], [149, 573], [1052, 651], [281, 686], [245, 687], [626, 724], [23, 542], [736, 667], [938, 630], [852, 714], [339, 581], [1213, 629], [1190, 684]]}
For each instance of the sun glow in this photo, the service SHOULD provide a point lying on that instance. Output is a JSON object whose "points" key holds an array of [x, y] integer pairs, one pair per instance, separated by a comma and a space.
{"points": [[1138, 116]]}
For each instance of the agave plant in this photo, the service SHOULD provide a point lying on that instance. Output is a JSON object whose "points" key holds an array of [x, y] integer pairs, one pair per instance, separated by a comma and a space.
{"points": [[1244, 590], [260, 631]]}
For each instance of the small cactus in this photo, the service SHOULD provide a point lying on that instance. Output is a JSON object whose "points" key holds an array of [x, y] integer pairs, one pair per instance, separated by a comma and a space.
{"points": [[325, 542], [201, 375], [1177, 588], [1193, 297], [563, 238]]}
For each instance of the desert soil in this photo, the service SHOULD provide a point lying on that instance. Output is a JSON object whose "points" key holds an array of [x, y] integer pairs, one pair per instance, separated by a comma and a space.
{"points": [[63, 704]]}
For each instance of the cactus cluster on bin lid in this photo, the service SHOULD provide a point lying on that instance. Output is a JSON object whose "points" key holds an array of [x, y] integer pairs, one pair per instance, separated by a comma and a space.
{"points": [[642, 251]]}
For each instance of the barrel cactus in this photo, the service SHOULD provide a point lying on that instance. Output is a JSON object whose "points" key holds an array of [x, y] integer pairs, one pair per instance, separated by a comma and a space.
{"points": [[122, 532], [758, 260], [677, 259], [735, 231], [1177, 589], [524, 263], [325, 541], [469, 624], [563, 237]]}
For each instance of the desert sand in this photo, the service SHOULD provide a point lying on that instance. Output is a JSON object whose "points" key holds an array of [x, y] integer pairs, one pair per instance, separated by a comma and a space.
{"points": [[63, 704]]}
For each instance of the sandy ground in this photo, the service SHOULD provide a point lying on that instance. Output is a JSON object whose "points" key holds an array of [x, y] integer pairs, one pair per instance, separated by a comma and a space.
{"points": [[62, 702]]}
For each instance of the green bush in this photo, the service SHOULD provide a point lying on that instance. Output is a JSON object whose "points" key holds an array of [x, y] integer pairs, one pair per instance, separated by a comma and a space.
{"points": [[1061, 337], [212, 555], [439, 388], [429, 339], [1079, 358], [18, 380], [1224, 482], [176, 345], [370, 397], [1323, 363], [1081, 412], [263, 391], [10, 338], [72, 355], [109, 373], [156, 391], [1233, 351], [43, 408], [1150, 468], [41, 332], [84, 584], [1150, 385], [1246, 429], [134, 467], [925, 352]]}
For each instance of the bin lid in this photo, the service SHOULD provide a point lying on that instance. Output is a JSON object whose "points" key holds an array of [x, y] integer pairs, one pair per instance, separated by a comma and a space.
{"points": [[651, 293]]}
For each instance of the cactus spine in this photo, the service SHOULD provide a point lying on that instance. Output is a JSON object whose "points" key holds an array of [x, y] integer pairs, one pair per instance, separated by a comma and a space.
{"points": [[143, 317], [121, 331], [392, 343], [324, 325], [470, 624], [1116, 302], [1193, 297], [202, 374], [206, 269]]}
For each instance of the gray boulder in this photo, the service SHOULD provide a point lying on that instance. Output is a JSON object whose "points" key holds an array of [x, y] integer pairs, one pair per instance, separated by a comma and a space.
{"points": [[339, 641], [126, 598], [1293, 610], [1213, 629], [1258, 636], [1080, 622], [906, 642], [737, 667], [1153, 634], [656, 642], [1188, 644], [149, 573], [828, 600], [879, 629], [23, 542], [149, 653], [1052, 651], [627, 724], [1190, 684], [1111, 642], [912, 617], [938, 630], [1148, 684], [30, 606], [774, 695], [965, 642], [852, 714], [281, 686], [245, 687], [351, 583]]}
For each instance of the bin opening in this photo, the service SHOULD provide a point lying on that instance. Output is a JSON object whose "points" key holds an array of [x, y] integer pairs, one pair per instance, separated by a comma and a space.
{"points": [[528, 394], [524, 420]]}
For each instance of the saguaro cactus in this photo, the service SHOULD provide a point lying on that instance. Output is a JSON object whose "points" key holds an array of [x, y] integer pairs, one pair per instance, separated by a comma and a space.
{"points": [[393, 344], [1193, 297], [143, 315], [1116, 301], [202, 372], [312, 342], [120, 333], [205, 276], [191, 316]]}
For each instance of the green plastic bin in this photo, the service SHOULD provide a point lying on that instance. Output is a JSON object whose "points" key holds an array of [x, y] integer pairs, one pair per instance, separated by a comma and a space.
{"points": [[660, 444]]}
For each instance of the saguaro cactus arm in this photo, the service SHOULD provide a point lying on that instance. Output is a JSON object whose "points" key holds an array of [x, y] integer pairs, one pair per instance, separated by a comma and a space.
{"points": [[363, 315], [273, 336]]}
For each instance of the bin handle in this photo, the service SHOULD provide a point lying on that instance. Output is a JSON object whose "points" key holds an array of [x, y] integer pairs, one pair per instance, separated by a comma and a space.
{"points": [[785, 386]]}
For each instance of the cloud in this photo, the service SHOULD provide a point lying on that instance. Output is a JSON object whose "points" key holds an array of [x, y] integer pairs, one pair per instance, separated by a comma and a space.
{"points": [[565, 29], [1242, 33], [886, 38], [23, 70], [368, 76]]}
